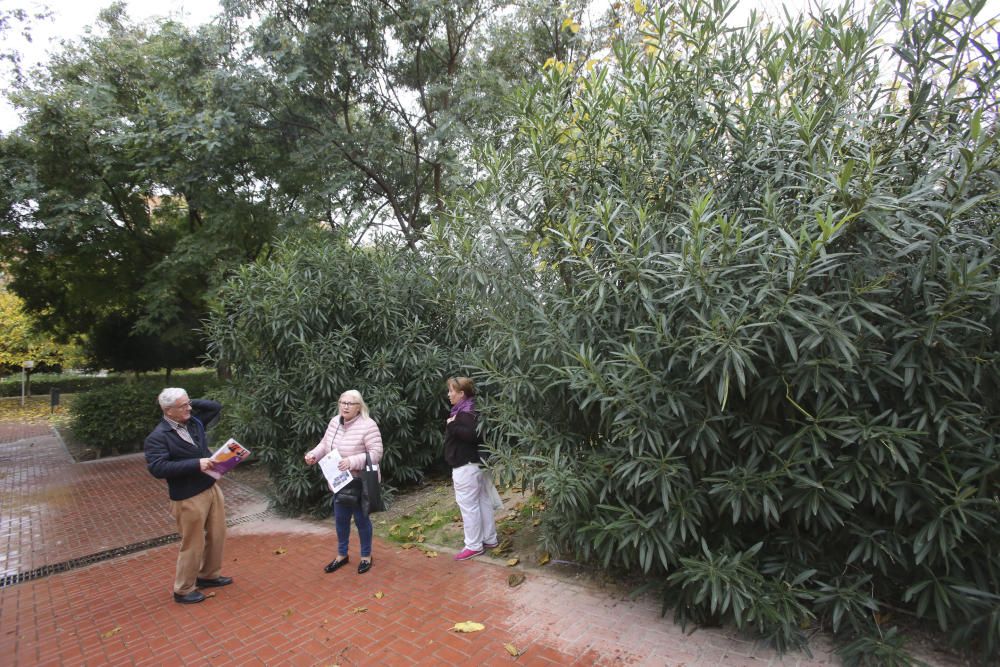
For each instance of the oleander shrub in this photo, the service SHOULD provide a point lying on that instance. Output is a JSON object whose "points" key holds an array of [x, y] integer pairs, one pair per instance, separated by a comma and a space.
{"points": [[739, 292], [320, 317]]}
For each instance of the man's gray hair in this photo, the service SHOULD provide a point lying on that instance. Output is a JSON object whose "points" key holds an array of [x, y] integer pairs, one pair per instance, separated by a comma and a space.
{"points": [[169, 396]]}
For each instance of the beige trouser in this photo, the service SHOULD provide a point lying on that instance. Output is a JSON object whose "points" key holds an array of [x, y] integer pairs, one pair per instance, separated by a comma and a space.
{"points": [[201, 523]]}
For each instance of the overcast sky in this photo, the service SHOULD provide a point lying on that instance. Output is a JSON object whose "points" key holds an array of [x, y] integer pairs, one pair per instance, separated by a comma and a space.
{"points": [[71, 17]]}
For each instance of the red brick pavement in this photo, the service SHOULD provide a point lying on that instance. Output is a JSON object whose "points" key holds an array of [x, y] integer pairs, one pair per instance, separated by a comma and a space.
{"points": [[282, 609], [53, 510]]}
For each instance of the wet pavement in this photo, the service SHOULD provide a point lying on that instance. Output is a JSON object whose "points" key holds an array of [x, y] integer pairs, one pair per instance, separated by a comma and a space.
{"points": [[88, 560]]}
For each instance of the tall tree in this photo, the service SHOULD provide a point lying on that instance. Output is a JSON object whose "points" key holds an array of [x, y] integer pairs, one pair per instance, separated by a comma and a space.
{"points": [[388, 97], [129, 191]]}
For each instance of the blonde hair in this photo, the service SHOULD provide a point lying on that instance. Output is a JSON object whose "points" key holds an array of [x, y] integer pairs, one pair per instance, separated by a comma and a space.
{"points": [[355, 395]]}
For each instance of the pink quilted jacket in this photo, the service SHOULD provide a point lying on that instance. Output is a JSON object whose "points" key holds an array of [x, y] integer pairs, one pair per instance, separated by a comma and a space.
{"points": [[351, 439]]}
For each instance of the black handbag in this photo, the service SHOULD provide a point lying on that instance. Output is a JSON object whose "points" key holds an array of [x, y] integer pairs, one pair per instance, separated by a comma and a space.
{"points": [[372, 497], [350, 495]]}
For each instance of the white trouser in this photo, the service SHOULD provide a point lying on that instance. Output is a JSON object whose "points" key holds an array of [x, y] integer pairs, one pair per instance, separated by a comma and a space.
{"points": [[472, 493]]}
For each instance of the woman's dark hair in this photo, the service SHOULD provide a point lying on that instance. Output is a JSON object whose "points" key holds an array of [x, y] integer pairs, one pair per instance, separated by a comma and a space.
{"points": [[463, 384]]}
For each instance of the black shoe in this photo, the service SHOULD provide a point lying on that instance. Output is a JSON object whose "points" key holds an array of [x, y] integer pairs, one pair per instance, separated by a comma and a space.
{"points": [[193, 597], [333, 565], [213, 583], [364, 566]]}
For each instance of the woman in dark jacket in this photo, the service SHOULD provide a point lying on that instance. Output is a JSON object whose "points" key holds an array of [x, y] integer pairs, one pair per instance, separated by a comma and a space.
{"points": [[473, 485]]}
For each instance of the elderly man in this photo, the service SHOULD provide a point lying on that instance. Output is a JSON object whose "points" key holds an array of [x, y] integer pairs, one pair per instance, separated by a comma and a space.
{"points": [[177, 451]]}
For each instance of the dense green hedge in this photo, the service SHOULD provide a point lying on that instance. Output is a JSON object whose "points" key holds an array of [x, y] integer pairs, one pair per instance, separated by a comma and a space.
{"points": [[116, 419], [67, 384], [741, 291]]}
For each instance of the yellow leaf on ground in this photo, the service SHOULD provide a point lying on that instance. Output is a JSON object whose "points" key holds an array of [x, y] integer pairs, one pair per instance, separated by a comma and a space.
{"points": [[408, 545], [468, 626], [513, 650], [513, 561], [112, 632], [544, 558], [515, 579], [287, 613], [359, 610], [279, 551], [379, 595]]}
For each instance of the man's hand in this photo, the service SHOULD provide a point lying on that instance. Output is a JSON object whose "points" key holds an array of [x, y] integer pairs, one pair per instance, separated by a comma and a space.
{"points": [[206, 464]]}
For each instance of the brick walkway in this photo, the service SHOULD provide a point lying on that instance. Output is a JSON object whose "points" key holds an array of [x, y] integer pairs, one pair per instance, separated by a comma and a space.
{"points": [[283, 610]]}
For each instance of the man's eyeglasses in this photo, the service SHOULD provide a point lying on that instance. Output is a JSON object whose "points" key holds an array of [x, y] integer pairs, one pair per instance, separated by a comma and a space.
{"points": [[348, 404]]}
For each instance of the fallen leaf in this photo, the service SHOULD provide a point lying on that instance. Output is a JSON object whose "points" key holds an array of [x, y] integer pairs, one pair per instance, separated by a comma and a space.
{"points": [[112, 632], [515, 579], [210, 595], [421, 539], [359, 610], [513, 650], [279, 551], [431, 554], [379, 595], [287, 613], [513, 561], [394, 529], [408, 545], [468, 626], [536, 522], [544, 558]]}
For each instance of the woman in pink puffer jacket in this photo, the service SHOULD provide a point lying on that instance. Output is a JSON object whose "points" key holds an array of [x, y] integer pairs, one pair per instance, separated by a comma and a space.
{"points": [[353, 433]]}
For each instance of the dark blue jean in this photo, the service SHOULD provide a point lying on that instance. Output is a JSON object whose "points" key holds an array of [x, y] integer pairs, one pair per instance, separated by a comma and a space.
{"points": [[342, 519]]}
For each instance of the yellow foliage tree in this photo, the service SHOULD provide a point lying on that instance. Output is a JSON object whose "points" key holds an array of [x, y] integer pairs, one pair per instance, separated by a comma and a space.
{"points": [[19, 341]]}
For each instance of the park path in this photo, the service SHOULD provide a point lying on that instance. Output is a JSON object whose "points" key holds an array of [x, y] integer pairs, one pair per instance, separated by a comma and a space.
{"points": [[88, 555]]}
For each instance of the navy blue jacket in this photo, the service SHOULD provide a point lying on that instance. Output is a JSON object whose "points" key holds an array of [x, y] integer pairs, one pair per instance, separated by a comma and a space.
{"points": [[170, 457]]}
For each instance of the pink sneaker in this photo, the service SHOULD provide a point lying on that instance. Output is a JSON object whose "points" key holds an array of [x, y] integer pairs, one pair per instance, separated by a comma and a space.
{"points": [[490, 545], [466, 554]]}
